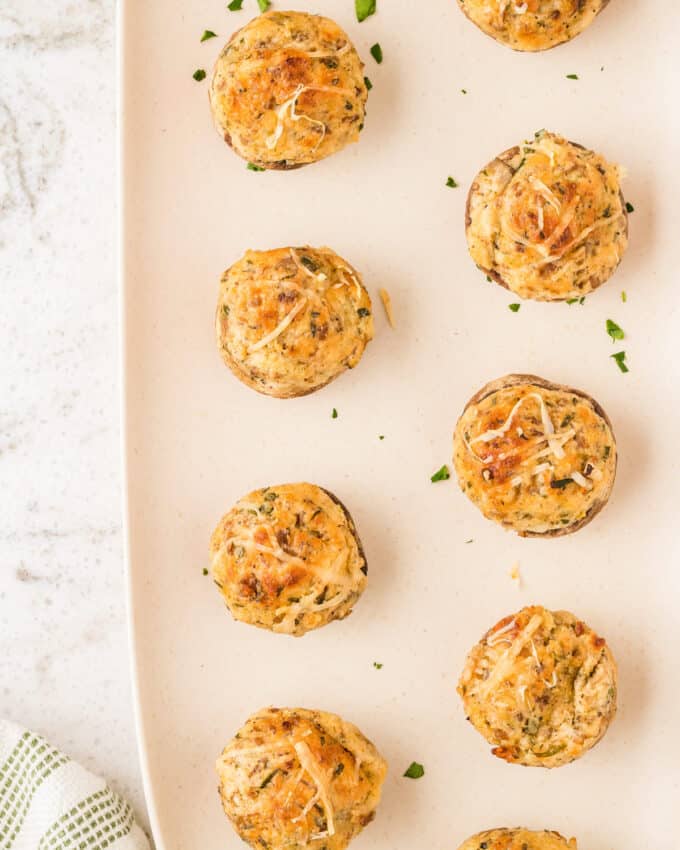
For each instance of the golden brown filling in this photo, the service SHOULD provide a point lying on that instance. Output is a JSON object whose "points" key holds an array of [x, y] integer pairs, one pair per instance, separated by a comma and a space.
{"points": [[541, 687], [547, 219], [291, 319], [288, 558], [296, 778], [288, 89], [532, 24], [533, 458]]}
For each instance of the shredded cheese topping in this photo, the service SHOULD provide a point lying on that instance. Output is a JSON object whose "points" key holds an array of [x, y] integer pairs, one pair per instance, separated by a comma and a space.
{"points": [[313, 769], [555, 441], [289, 107], [280, 328], [500, 635], [387, 304], [506, 661], [548, 203]]}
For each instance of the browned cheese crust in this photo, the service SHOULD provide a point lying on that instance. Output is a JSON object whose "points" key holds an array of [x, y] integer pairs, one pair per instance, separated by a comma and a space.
{"points": [[532, 25], [291, 320], [541, 687], [296, 779], [536, 457], [547, 219], [289, 559], [288, 89], [518, 839]]}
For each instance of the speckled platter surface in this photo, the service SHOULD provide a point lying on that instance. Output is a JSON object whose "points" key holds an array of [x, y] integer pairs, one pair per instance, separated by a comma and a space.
{"points": [[439, 574]]}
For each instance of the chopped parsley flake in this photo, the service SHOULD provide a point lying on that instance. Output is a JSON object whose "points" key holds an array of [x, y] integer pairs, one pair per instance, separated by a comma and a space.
{"points": [[572, 76], [514, 307], [614, 331], [624, 297], [368, 84], [264, 5], [334, 414], [581, 300], [451, 183], [415, 770], [377, 665], [629, 207], [471, 540], [620, 358], [205, 571], [561, 483], [376, 53], [362, 312], [207, 34], [364, 9], [442, 474], [235, 5], [252, 167], [199, 75], [463, 91], [269, 778], [381, 437]]}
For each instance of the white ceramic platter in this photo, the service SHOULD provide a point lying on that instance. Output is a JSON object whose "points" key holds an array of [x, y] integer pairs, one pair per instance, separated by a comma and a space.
{"points": [[197, 439]]}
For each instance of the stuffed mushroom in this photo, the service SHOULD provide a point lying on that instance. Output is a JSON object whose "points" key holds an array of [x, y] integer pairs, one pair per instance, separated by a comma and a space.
{"points": [[518, 839], [288, 559], [535, 457], [532, 25], [288, 89], [299, 779], [291, 320], [547, 219], [540, 686]]}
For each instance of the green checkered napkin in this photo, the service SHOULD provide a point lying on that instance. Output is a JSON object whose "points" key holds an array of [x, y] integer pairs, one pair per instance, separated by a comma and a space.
{"points": [[47, 802]]}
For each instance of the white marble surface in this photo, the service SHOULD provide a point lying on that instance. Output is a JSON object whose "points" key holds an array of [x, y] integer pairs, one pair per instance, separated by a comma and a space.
{"points": [[63, 642]]}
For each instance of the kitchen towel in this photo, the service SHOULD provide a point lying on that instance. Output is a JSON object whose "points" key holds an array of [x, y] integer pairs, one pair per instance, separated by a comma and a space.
{"points": [[48, 802]]}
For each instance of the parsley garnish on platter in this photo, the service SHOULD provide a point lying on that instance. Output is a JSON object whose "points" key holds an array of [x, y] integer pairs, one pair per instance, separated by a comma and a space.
{"points": [[572, 76], [614, 331], [264, 5], [629, 207], [207, 34], [377, 665], [620, 358], [364, 9], [451, 183], [376, 53], [514, 307], [442, 474], [199, 75], [235, 5], [334, 414], [414, 770], [368, 84], [252, 167]]}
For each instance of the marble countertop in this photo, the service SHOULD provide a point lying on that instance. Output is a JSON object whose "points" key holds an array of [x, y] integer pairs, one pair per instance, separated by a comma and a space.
{"points": [[63, 641]]}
